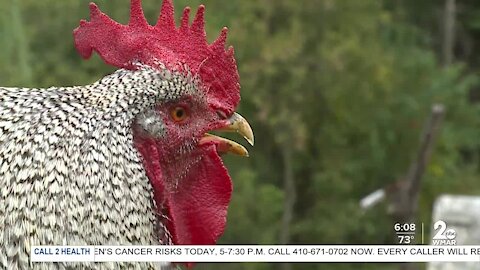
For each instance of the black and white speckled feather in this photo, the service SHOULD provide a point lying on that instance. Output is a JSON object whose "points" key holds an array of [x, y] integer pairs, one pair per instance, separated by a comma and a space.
{"points": [[69, 172]]}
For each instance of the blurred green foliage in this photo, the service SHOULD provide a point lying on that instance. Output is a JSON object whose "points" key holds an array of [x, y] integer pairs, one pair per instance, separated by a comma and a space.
{"points": [[336, 90]]}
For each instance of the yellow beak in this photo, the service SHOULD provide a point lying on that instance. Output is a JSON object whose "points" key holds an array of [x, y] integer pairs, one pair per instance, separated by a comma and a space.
{"points": [[236, 124]]}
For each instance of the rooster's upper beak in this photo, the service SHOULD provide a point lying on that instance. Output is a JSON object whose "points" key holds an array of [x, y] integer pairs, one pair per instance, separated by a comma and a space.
{"points": [[236, 123]]}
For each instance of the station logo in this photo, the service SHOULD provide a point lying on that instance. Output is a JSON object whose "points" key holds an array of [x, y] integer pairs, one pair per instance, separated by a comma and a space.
{"points": [[443, 235]]}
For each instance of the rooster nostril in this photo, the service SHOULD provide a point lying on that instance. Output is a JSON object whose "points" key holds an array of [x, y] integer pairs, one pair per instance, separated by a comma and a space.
{"points": [[222, 115]]}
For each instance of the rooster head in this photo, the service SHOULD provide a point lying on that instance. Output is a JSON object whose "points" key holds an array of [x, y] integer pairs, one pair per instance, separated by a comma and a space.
{"points": [[196, 87]]}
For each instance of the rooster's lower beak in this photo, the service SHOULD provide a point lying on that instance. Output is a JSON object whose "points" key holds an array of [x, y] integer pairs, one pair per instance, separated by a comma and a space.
{"points": [[236, 123]]}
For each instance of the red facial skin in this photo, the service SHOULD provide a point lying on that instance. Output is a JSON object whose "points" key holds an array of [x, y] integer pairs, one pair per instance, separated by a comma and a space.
{"points": [[193, 188]]}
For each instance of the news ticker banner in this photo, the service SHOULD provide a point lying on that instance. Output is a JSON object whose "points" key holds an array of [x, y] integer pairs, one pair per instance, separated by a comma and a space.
{"points": [[257, 253]]}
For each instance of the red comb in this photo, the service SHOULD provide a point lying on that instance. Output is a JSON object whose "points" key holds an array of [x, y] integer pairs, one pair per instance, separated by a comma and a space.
{"points": [[138, 42]]}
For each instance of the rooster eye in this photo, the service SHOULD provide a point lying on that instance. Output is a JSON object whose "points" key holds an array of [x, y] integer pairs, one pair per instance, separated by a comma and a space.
{"points": [[178, 114]]}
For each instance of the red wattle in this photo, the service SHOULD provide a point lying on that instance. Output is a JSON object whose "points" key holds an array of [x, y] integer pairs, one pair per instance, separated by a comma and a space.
{"points": [[197, 206]]}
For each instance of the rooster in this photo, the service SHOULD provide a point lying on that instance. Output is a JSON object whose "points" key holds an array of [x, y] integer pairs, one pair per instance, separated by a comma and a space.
{"points": [[127, 160]]}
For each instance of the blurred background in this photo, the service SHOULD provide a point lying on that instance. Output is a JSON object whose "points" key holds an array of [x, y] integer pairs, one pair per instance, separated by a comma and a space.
{"points": [[337, 92]]}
